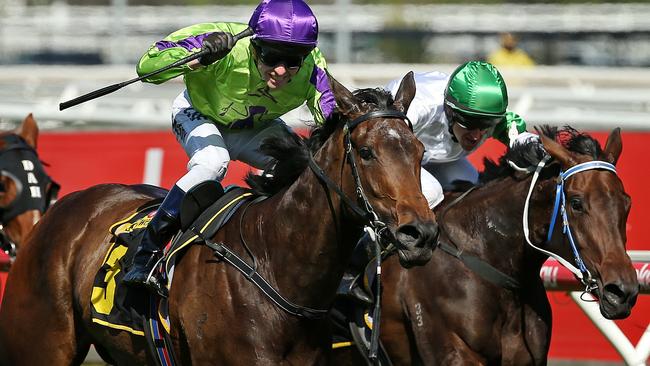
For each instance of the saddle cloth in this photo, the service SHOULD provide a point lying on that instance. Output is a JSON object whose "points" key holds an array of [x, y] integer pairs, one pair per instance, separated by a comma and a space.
{"points": [[125, 308], [114, 305]]}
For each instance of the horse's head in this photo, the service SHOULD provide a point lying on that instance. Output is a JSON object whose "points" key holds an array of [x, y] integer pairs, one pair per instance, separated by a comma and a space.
{"points": [[597, 208], [24, 186], [383, 152]]}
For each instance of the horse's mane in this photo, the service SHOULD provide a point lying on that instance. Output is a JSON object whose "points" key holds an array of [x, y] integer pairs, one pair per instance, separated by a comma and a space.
{"points": [[292, 155], [530, 154]]}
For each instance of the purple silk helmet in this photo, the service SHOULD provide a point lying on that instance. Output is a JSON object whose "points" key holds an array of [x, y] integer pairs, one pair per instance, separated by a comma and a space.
{"points": [[286, 21]]}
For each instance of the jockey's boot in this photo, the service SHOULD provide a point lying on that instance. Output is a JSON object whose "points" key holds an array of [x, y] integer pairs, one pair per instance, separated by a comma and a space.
{"points": [[162, 227], [350, 285]]}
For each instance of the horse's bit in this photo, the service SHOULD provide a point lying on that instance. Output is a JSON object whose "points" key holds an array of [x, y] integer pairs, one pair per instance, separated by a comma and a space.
{"points": [[559, 207]]}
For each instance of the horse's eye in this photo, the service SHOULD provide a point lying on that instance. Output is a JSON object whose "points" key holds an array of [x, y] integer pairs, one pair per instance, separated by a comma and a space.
{"points": [[576, 204], [366, 153]]}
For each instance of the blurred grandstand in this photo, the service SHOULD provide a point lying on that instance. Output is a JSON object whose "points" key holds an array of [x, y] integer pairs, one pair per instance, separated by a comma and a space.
{"points": [[584, 34], [593, 55]]}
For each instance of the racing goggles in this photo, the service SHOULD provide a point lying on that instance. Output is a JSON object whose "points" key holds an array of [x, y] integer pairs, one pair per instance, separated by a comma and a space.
{"points": [[482, 123], [273, 57]]}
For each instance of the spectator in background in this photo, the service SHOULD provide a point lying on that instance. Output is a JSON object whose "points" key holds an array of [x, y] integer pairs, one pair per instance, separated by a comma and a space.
{"points": [[509, 55]]}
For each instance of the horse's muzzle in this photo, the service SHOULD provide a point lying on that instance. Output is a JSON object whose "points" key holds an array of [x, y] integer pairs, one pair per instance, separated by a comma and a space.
{"points": [[617, 299], [415, 243]]}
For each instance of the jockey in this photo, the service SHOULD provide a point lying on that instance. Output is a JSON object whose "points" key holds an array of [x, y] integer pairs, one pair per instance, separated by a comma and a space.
{"points": [[233, 100], [453, 115]]}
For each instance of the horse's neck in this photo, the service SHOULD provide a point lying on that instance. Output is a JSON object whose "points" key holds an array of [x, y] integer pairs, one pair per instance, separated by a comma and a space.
{"points": [[496, 232], [310, 244]]}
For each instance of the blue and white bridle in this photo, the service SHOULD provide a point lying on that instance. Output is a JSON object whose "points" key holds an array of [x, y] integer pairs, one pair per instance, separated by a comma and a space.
{"points": [[559, 207]]}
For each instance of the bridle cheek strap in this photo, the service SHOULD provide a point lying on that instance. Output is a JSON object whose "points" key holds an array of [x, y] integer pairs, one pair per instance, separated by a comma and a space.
{"points": [[560, 207]]}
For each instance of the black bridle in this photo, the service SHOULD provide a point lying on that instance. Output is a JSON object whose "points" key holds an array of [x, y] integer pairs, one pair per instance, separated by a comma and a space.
{"points": [[376, 229], [35, 190], [364, 210]]}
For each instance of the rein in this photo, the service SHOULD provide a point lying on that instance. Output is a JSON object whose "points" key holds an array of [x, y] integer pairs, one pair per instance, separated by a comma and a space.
{"points": [[475, 263], [559, 207]]}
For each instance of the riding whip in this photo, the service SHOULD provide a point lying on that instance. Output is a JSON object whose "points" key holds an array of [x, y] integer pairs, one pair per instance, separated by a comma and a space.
{"points": [[111, 88]]}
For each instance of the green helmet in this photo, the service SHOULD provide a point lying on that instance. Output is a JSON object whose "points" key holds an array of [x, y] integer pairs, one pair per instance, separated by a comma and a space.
{"points": [[476, 95]]}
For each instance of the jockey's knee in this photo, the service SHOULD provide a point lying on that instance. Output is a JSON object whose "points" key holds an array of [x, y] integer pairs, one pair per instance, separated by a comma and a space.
{"points": [[211, 172], [433, 194], [209, 163], [431, 189]]}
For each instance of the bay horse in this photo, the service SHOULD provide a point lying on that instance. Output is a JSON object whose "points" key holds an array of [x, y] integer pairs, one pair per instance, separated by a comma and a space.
{"points": [[301, 236], [452, 313], [26, 191]]}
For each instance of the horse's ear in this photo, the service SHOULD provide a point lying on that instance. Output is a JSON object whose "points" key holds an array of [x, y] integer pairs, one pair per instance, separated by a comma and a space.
{"points": [[346, 102], [405, 93], [28, 130], [613, 147], [557, 151]]}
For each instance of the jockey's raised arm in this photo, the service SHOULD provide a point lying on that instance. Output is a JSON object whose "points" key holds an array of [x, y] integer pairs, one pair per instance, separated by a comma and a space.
{"points": [[234, 98]]}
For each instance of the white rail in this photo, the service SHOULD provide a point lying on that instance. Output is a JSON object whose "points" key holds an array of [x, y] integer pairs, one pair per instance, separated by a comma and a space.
{"points": [[586, 98]]}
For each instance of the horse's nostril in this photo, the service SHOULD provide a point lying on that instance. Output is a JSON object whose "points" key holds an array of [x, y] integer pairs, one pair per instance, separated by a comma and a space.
{"points": [[408, 235], [614, 294]]}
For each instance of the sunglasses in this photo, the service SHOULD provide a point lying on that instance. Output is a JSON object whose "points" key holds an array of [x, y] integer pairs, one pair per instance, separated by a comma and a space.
{"points": [[272, 57], [482, 123], [482, 129]]}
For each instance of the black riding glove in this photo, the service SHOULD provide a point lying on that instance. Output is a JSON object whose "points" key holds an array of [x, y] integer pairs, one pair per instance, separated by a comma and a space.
{"points": [[218, 45]]}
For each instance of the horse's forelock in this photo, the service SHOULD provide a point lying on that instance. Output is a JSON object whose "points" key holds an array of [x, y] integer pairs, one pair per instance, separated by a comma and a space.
{"points": [[372, 98], [378, 97]]}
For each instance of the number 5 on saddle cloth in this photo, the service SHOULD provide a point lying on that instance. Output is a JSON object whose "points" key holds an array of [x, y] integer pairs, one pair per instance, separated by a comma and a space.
{"points": [[137, 311]]}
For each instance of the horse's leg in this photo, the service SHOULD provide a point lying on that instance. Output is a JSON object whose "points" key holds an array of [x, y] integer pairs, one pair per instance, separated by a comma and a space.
{"points": [[458, 353], [530, 339]]}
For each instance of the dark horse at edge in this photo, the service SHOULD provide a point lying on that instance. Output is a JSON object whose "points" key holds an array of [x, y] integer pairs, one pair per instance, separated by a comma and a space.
{"points": [[446, 314], [26, 191], [302, 237]]}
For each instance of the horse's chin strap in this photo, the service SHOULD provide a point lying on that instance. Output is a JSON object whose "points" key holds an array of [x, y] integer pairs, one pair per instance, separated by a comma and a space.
{"points": [[560, 200]]}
